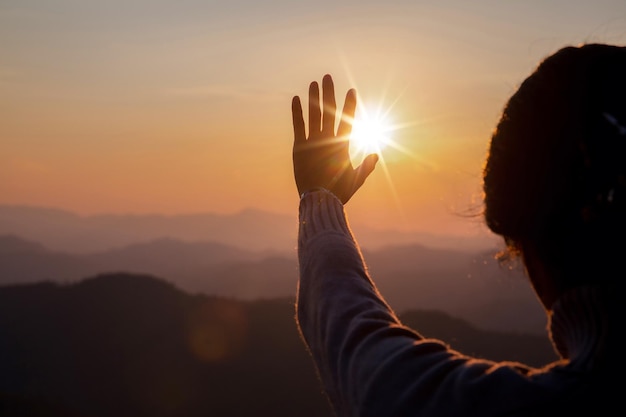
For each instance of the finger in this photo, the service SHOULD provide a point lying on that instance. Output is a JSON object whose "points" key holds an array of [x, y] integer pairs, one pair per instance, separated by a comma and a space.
{"points": [[347, 116], [328, 121], [314, 110], [299, 134], [365, 169]]}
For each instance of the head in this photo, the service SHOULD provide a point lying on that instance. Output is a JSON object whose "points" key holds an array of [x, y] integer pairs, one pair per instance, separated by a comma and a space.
{"points": [[555, 177]]}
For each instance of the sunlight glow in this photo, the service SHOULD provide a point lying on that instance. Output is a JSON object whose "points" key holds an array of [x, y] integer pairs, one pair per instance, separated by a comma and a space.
{"points": [[371, 132]]}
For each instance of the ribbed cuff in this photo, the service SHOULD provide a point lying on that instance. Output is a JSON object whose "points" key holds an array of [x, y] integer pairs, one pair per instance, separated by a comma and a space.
{"points": [[313, 190], [321, 211]]}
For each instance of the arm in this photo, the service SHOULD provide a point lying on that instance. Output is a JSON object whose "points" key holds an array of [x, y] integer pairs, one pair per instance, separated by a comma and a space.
{"points": [[369, 363]]}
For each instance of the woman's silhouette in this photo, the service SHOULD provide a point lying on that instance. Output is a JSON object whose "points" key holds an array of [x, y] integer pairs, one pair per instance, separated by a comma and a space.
{"points": [[554, 189]]}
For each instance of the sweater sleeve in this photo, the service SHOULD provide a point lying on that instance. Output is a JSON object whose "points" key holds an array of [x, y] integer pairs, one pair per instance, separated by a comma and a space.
{"points": [[369, 363]]}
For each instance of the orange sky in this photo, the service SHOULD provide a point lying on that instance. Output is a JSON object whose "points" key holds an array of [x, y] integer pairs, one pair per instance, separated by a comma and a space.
{"points": [[141, 106]]}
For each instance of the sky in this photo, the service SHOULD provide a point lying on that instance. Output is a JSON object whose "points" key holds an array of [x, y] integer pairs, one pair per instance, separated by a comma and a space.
{"points": [[183, 106]]}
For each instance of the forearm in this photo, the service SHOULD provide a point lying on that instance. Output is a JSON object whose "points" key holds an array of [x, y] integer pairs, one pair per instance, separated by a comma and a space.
{"points": [[367, 360], [332, 270], [345, 322]]}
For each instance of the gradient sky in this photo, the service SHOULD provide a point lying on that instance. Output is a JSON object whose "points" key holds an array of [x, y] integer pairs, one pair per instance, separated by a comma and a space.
{"points": [[183, 106]]}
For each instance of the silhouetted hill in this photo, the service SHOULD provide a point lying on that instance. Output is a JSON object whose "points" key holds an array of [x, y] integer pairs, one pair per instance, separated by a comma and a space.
{"points": [[128, 345], [23, 261], [468, 285], [13, 245], [170, 258], [132, 345], [533, 350]]}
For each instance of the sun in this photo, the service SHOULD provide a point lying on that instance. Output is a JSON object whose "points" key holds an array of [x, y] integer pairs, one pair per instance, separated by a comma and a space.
{"points": [[371, 132]]}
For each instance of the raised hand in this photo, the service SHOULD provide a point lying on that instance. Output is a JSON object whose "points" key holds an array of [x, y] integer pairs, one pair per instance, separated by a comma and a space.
{"points": [[323, 160]]}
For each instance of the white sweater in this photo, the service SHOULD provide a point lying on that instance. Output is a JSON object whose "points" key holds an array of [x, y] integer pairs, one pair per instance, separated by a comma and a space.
{"points": [[372, 365]]}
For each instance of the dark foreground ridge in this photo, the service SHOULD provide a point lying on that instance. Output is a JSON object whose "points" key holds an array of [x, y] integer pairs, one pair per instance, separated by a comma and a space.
{"points": [[134, 345]]}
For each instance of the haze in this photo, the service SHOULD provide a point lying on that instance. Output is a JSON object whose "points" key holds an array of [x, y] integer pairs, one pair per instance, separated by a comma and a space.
{"points": [[183, 106]]}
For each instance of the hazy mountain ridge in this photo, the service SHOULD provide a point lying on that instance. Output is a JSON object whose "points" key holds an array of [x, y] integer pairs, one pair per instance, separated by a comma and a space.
{"points": [[125, 344], [250, 229], [474, 286], [68, 232], [207, 267], [468, 285]]}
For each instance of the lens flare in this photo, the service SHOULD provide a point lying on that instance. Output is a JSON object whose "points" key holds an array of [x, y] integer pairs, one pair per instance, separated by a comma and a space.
{"points": [[371, 132]]}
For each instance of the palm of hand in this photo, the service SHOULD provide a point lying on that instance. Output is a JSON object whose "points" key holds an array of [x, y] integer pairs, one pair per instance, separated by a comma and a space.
{"points": [[323, 160]]}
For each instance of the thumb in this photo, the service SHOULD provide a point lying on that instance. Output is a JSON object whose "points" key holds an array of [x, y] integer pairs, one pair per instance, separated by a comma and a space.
{"points": [[366, 168], [360, 174], [368, 165]]}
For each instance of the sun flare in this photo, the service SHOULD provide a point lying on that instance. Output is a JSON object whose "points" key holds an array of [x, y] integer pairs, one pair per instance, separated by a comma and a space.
{"points": [[371, 132]]}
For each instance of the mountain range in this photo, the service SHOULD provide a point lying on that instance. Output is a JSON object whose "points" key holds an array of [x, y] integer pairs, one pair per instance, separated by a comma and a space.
{"points": [[469, 285], [135, 345], [251, 255], [88, 330], [249, 229]]}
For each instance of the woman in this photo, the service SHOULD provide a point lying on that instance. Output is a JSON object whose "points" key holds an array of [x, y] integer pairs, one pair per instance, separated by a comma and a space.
{"points": [[554, 189]]}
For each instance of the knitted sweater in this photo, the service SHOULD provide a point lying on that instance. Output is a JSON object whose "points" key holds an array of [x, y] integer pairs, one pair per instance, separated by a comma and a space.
{"points": [[372, 365]]}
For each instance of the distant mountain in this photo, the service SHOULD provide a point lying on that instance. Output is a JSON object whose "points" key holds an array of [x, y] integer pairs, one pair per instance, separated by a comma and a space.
{"points": [[250, 229], [472, 286], [132, 345], [206, 267], [23, 261], [14, 246], [68, 232], [469, 285], [535, 350]]}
